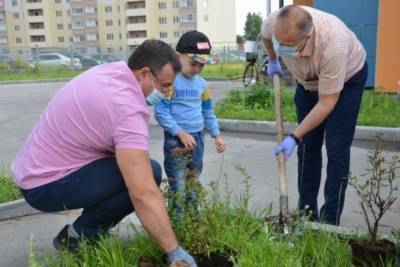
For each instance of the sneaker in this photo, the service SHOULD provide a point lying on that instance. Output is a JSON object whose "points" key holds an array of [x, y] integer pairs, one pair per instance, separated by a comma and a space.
{"points": [[65, 242]]}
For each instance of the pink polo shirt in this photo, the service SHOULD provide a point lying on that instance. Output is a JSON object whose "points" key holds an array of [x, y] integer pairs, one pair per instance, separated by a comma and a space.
{"points": [[98, 111]]}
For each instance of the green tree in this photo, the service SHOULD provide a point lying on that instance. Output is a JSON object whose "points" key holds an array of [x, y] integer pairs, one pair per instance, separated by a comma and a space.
{"points": [[239, 39], [252, 26]]}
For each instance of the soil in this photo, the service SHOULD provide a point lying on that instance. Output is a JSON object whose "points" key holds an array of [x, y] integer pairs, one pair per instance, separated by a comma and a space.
{"points": [[214, 260], [367, 253]]}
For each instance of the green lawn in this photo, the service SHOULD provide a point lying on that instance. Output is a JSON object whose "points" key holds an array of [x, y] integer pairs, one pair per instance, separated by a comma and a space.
{"points": [[8, 189], [223, 70]]}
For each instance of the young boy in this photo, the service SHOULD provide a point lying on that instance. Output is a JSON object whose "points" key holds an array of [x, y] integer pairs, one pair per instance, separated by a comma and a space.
{"points": [[183, 115]]}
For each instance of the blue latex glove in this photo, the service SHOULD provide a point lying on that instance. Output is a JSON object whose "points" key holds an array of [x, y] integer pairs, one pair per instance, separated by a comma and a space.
{"points": [[179, 254], [287, 146], [274, 67]]}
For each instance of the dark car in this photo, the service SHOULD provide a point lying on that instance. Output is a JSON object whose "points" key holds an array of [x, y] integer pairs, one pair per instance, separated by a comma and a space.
{"points": [[105, 58], [86, 61]]}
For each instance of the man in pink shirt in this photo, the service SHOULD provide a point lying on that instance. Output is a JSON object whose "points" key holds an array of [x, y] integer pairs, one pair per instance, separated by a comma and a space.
{"points": [[89, 150], [328, 62]]}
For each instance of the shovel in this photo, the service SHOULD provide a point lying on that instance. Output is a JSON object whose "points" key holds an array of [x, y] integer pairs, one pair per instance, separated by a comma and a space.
{"points": [[284, 215]]}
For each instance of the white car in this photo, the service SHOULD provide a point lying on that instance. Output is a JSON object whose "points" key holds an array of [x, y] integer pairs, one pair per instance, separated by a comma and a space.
{"points": [[55, 60]]}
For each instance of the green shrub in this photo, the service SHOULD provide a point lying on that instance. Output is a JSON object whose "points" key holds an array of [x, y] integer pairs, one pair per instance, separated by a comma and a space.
{"points": [[20, 63], [4, 67], [8, 190]]}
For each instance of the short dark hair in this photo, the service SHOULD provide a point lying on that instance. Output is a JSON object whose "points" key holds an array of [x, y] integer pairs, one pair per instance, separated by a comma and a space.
{"points": [[154, 54], [295, 16]]}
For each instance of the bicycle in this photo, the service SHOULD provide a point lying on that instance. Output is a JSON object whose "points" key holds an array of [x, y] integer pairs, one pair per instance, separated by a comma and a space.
{"points": [[257, 60]]}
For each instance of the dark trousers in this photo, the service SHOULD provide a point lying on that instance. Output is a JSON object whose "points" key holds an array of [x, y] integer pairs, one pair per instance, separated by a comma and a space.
{"points": [[98, 188], [339, 130]]}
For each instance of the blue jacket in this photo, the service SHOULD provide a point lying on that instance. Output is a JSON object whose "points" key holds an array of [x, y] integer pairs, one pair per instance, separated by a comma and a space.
{"points": [[188, 107]]}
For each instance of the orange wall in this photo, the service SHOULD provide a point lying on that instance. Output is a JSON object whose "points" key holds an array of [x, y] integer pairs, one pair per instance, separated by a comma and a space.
{"points": [[388, 47], [304, 2]]}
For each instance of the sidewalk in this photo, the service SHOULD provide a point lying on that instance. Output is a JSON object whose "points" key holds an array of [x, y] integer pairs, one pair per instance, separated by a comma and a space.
{"points": [[252, 151]]}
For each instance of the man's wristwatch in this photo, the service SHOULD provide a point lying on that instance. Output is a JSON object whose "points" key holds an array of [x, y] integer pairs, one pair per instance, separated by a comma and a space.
{"points": [[296, 139]]}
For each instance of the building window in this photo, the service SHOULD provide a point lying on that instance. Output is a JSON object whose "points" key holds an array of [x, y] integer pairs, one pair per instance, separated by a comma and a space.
{"points": [[71, 39], [91, 23], [120, 36], [3, 40], [177, 34], [110, 36], [78, 38], [177, 19], [77, 11], [109, 23], [206, 18], [91, 37], [186, 3], [90, 9], [162, 20], [187, 17], [163, 35], [17, 28], [60, 26], [18, 40], [110, 50], [58, 13], [175, 4], [60, 39], [69, 26], [108, 9], [162, 5], [3, 27], [16, 15], [57, 1], [77, 25], [14, 3]]}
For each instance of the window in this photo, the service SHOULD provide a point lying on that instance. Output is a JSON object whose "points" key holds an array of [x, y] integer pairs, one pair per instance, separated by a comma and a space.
{"points": [[109, 23], [71, 39], [110, 36], [14, 3], [120, 36], [77, 25], [162, 20], [3, 40], [162, 5], [58, 13], [69, 26], [177, 19], [17, 28], [186, 3], [78, 38], [206, 18], [187, 17], [175, 4], [91, 23], [163, 35], [18, 40], [3, 27], [108, 9], [16, 15], [110, 50], [69, 13], [90, 9], [57, 1], [91, 37], [177, 34], [60, 39], [77, 11], [60, 26]]}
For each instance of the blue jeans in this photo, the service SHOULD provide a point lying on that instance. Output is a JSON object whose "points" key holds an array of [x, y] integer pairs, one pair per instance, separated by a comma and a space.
{"points": [[183, 171], [339, 130], [98, 188]]}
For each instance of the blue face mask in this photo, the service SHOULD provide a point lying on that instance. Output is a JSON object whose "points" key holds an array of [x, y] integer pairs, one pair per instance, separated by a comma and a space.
{"points": [[154, 97], [283, 50]]}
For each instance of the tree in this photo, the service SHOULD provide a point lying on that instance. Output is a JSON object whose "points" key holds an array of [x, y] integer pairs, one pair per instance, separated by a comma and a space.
{"points": [[252, 26], [239, 39]]}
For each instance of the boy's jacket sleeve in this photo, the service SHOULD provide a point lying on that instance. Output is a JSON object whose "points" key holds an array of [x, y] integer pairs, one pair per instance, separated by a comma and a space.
{"points": [[210, 119], [163, 116]]}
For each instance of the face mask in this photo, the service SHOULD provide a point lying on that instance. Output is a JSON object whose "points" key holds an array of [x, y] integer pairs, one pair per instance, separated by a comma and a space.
{"points": [[283, 50], [154, 97]]}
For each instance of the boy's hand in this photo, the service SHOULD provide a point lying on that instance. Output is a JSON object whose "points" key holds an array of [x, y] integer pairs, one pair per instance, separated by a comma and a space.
{"points": [[186, 139], [219, 144]]}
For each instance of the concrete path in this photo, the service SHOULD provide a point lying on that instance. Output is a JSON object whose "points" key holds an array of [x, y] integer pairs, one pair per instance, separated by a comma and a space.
{"points": [[20, 107]]}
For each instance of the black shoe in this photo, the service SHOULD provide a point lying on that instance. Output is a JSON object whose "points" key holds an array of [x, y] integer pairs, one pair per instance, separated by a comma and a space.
{"points": [[65, 242]]}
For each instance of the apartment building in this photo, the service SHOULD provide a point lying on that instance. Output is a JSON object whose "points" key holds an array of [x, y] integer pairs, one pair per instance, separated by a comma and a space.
{"points": [[113, 25]]}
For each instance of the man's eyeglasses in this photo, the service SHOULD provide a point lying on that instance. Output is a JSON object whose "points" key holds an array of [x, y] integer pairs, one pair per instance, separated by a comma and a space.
{"points": [[163, 85]]}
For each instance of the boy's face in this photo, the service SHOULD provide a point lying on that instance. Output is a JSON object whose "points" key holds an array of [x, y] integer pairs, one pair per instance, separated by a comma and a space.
{"points": [[190, 67]]}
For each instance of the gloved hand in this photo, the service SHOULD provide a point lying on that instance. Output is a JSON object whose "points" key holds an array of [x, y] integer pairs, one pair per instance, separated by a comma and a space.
{"points": [[179, 254], [287, 146], [274, 67]]}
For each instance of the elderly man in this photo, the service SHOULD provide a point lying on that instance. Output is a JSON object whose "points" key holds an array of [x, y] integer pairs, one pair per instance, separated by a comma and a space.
{"points": [[329, 64], [89, 150]]}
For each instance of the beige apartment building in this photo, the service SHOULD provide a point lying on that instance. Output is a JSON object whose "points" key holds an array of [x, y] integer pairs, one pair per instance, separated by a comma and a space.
{"points": [[115, 26]]}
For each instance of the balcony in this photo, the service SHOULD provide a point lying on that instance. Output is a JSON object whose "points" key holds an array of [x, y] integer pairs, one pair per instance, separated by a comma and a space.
{"points": [[31, 19], [37, 32], [135, 12], [34, 5], [136, 27], [136, 41]]}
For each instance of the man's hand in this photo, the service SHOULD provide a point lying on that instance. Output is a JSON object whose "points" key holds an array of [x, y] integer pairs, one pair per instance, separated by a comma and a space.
{"points": [[274, 67], [179, 254], [287, 146], [220, 144], [186, 139]]}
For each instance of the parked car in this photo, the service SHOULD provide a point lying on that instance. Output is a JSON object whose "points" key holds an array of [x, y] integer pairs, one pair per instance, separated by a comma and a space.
{"points": [[105, 58], [15, 63], [86, 61], [57, 60]]}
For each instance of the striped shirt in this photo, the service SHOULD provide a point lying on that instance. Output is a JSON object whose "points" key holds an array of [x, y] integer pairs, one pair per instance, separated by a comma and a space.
{"points": [[331, 56]]}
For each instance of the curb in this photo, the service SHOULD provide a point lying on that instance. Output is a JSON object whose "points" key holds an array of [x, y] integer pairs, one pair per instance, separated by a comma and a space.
{"points": [[36, 81], [268, 127], [17, 208]]}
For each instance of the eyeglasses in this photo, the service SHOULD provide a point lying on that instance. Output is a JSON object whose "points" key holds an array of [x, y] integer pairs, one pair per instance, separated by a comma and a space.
{"points": [[163, 85]]}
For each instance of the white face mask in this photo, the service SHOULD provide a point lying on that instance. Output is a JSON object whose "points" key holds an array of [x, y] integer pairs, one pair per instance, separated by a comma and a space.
{"points": [[154, 97], [283, 50]]}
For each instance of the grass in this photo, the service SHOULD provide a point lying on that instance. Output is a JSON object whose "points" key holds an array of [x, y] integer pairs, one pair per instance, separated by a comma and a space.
{"points": [[222, 227], [223, 70], [8, 190], [377, 109], [37, 75]]}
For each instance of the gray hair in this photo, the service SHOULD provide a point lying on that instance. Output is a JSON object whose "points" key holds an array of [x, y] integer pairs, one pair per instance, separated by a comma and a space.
{"points": [[294, 16]]}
